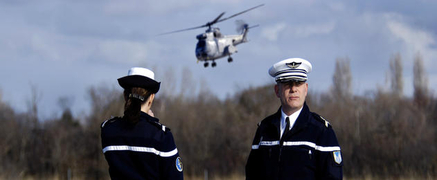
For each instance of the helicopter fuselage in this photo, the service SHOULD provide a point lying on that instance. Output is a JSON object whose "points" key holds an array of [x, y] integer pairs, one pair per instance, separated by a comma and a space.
{"points": [[213, 45]]}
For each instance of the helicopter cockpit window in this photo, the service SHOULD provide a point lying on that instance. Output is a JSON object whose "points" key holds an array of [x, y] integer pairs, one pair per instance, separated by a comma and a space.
{"points": [[217, 34], [201, 36], [201, 44]]}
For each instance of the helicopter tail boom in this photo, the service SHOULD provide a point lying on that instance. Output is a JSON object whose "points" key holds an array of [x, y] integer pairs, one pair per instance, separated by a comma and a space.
{"points": [[243, 28]]}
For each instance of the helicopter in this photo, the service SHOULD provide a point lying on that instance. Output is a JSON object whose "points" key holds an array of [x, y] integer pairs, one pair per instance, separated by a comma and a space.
{"points": [[212, 44]]}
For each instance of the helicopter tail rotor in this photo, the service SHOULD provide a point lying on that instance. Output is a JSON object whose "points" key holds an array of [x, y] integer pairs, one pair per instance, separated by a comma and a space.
{"points": [[241, 26], [254, 26]]}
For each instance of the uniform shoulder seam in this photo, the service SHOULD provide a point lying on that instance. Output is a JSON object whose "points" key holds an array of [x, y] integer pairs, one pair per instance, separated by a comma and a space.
{"points": [[110, 120], [159, 125], [321, 119]]}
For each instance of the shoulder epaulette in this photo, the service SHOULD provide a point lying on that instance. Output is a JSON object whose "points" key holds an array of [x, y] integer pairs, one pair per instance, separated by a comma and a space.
{"points": [[159, 125], [112, 119], [321, 119]]}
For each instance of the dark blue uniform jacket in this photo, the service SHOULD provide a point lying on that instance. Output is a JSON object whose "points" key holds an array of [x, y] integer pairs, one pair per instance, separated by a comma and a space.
{"points": [[310, 150], [145, 150]]}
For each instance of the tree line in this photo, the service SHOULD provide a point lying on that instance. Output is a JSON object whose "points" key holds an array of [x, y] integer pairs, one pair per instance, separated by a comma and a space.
{"points": [[382, 133]]}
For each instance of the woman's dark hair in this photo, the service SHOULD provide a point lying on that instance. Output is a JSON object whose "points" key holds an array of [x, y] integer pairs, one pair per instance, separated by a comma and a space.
{"points": [[134, 98]]}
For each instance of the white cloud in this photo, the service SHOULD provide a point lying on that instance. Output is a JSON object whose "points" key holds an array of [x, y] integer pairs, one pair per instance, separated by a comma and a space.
{"points": [[336, 6], [44, 47], [156, 7], [306, 30], [298, 31], [118, 34], [121, 51], [414, 39], [271, 33]]}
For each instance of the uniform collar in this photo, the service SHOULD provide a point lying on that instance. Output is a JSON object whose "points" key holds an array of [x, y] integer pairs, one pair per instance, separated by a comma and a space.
{"points": [[302, 120], [293, 117], [146, 116]]}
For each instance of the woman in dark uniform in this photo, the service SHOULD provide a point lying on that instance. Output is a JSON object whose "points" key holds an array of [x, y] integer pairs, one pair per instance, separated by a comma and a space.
{"points": [[137, 146]]}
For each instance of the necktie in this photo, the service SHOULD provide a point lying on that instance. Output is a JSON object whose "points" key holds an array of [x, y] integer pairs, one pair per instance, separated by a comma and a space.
{"points": [[287, 125]]}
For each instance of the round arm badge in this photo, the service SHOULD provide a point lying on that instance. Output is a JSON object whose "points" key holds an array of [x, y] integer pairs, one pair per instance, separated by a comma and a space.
{"points": [[179, 165]]}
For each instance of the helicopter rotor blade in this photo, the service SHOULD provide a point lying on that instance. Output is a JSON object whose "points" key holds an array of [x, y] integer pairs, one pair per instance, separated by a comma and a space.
{"points": [[254, 26], [197, 27], [183, 30], [209, 24], [239, 13], [215, 20]]}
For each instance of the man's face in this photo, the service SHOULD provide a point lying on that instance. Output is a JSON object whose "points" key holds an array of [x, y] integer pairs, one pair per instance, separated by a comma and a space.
{"points": [[292, 95]]}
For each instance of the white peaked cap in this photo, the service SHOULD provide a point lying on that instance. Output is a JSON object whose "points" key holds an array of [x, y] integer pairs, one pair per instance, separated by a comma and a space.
{"points": [[140, 77], [292, 69], [141, 72]]}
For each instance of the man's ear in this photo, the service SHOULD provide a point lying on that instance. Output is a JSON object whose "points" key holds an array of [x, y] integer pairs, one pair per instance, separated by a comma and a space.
{"points": [[277, 90], [306, 89]]}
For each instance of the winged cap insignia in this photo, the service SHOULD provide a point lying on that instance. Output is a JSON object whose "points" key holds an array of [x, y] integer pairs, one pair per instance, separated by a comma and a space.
{"points": [[293, 64]]}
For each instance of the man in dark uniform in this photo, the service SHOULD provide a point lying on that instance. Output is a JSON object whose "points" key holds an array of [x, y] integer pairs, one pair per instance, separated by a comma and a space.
{"points": [[294, 143], [137, 146]]}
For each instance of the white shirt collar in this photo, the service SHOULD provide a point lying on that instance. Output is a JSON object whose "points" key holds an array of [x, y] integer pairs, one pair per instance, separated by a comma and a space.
{"points": [[292, 117]]}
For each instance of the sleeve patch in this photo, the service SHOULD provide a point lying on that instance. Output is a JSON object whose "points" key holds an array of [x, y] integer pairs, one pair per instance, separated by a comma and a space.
{"points": [[179, 165], [337, 157]]}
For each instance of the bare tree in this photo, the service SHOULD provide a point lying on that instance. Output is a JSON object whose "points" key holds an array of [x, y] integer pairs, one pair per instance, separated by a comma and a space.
{"points": [[397, 82], [32, 104], [168, 82], [65, 102], [342, 80], [381, 135], [420, 81], [188, 85]]}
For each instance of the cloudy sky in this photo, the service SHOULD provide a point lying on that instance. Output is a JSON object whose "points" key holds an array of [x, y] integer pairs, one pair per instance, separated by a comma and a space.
{"points": [[62, 48]]}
